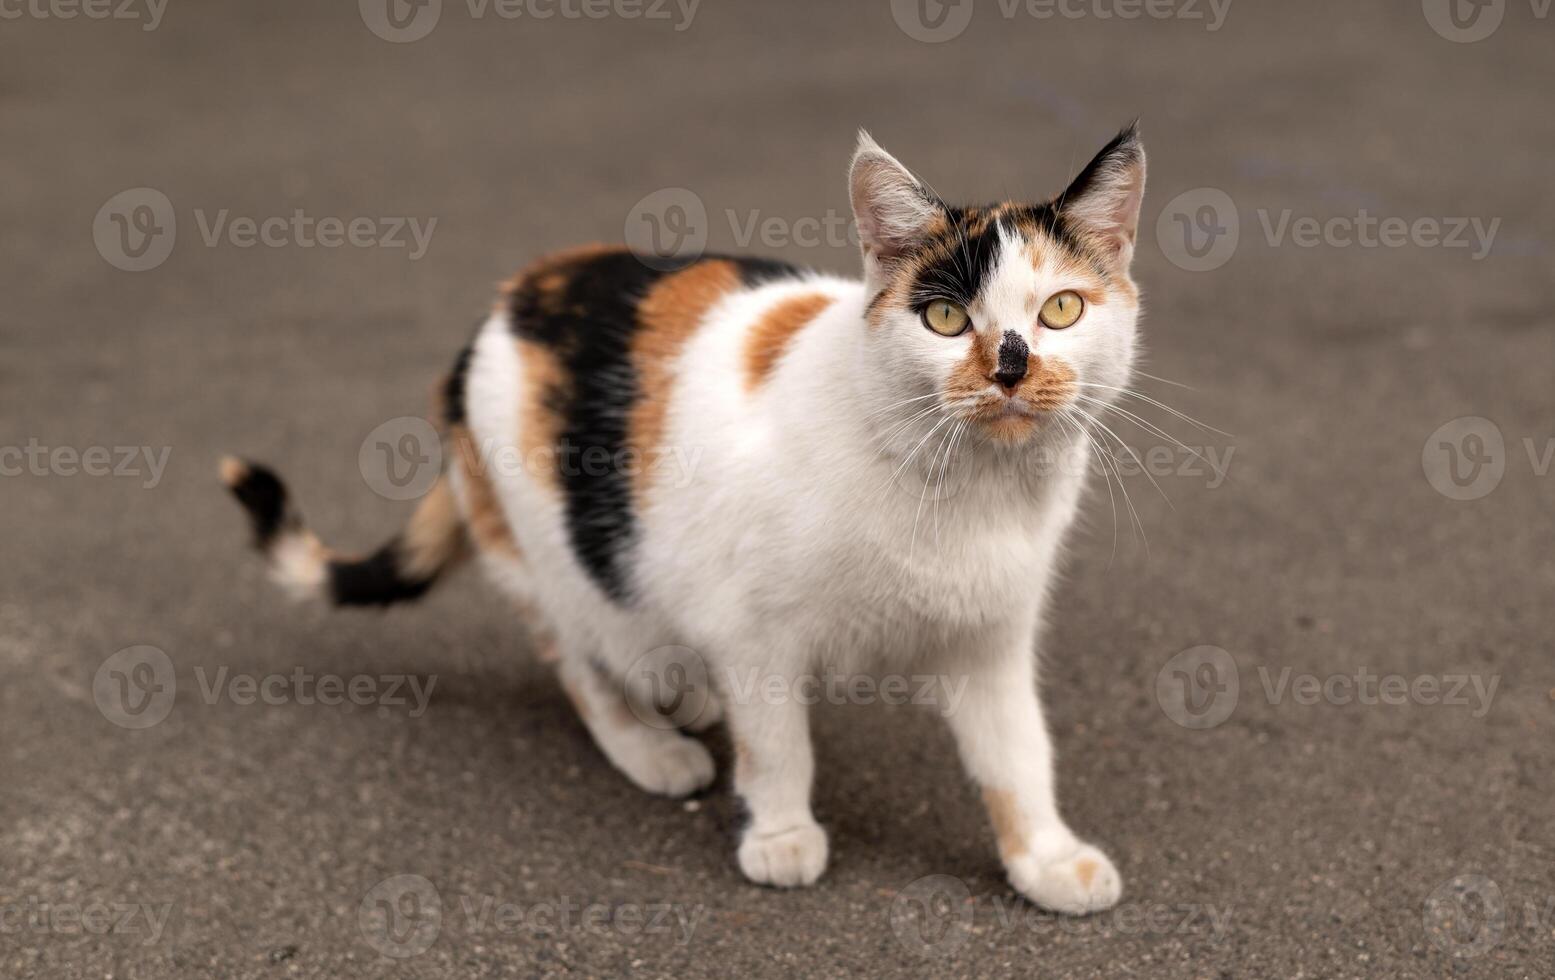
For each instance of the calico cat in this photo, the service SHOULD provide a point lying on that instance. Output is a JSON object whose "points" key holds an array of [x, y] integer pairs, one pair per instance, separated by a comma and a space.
{"points": [[789, 548]]}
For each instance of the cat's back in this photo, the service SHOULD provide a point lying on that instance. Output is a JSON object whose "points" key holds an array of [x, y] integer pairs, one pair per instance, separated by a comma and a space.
{"points": [[578, 369], [591, 300]]}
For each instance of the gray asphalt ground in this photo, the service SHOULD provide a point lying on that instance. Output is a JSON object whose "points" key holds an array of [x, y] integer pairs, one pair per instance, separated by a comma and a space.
{"points": [[1302, 835]]}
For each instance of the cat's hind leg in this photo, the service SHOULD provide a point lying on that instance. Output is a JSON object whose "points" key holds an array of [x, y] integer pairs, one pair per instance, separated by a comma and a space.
{"points": [[655, 756]]}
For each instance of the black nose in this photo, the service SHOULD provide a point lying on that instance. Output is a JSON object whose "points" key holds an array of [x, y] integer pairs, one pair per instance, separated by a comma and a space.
{"points": [[1012, 359]]}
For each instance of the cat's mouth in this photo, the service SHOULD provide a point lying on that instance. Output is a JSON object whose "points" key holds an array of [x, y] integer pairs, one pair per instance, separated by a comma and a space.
{"points": [[1014, 417]]}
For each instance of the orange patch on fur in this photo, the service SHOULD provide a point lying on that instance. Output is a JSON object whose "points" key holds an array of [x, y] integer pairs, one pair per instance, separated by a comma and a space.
{"points": [[1049, 382], [1008, 825], [667, 317], [539, 424], [435, 535], [973, 374], [1085, 871], [770, 336], [483, 514]]}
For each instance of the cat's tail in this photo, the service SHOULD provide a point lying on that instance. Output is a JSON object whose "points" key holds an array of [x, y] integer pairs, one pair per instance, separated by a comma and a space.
{"points": [[403, 569]]}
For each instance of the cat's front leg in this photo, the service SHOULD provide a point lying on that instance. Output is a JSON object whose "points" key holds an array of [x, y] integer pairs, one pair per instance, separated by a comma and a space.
{"points": [[1004, 744], [773, 770]]}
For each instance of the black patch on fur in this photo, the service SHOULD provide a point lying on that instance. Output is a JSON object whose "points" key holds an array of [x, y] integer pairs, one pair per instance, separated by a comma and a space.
{"points": [[590, 329], [956, 265], [263, 497], [757, 272], [374, 581], [454, 386]]}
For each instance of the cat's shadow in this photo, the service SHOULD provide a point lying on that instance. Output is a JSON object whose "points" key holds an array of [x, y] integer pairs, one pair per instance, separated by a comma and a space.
{"points": [[887, 778]]}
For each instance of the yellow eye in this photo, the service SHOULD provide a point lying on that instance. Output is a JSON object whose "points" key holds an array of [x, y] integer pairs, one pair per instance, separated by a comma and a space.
{"points": [[945, 318], [1062, 310]]}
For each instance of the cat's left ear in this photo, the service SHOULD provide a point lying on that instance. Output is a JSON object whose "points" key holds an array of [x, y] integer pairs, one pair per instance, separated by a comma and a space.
{"points": [[1103, 202], [893, 209]]}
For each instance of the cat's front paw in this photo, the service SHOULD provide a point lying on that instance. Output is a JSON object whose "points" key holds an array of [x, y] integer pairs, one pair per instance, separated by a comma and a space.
{"points": [[796, 856], [1078, 883]]}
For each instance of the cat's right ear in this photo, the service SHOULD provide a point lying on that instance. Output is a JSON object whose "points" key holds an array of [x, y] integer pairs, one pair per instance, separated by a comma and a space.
{"points": [[893, 209]]}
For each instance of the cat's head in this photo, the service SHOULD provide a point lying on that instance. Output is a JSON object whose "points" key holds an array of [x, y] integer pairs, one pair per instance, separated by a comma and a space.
{"points": [[1009, 312]]}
